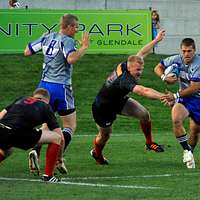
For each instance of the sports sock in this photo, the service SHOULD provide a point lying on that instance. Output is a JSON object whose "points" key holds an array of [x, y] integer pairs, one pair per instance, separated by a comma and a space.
{"points": [[146, 128], [51, 158], [183, 142], [67, 133], [98, 147]]}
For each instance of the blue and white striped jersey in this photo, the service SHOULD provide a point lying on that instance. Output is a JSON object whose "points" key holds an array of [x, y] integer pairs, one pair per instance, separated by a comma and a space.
{"points": [[188, 73], [55, 47]]}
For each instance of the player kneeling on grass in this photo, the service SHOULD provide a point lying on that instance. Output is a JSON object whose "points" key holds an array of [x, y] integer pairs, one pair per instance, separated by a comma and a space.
{"points": [[112, 99], [17, 129]]}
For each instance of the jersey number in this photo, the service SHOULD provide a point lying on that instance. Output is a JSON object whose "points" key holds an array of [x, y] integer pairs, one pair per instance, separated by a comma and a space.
{"points": [[50, 48]]}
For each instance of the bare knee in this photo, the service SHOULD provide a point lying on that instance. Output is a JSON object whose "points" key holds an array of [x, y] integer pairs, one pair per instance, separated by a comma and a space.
{"points": [[57, 139], [177, 123], [145, 116]]}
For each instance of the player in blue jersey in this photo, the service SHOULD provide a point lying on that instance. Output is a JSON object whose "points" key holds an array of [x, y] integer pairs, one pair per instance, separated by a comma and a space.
{"points": [[187, 99], [60, 54], [112, 100]]}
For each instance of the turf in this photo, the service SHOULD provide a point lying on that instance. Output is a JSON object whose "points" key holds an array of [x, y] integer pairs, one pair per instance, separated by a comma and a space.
{"points": [[133, 173]]}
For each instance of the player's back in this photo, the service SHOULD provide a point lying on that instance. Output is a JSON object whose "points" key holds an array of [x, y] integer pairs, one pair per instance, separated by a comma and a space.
{"points": [[25, 113], [55, 66]]}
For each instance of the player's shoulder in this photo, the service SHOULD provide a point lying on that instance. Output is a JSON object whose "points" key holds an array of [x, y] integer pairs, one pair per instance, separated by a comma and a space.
{"points": [[172, 59], [196, 59]]}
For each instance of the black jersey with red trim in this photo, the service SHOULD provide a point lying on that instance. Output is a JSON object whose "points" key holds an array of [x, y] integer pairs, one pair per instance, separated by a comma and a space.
{"points": [[118, 84], [29, 112]]}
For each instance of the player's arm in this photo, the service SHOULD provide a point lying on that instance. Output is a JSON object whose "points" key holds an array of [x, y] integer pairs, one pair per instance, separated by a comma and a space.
{"points": [[2, 113], [159, 71], [148, 47], [76, 55], [147, 92], [27, 51], [194, 87], [35, 46]]}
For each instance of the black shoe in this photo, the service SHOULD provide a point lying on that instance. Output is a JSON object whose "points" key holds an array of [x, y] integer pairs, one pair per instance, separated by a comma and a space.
{"points": [[50, 179], [99, 159], [60, 166], [154, 147]]}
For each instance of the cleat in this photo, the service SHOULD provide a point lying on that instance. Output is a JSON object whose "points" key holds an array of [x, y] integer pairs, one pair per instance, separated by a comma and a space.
{"points": [[60, 166], [34, 163], [154, 147], [188, 159], [50, 179], [99, 159]]}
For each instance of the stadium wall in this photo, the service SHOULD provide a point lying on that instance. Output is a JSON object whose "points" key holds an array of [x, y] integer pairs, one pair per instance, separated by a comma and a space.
{"points": [[180, 18]]}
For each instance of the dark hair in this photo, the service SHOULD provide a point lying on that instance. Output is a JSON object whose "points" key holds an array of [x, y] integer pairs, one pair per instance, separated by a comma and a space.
{"points": [[188, 42], [157, 15]]}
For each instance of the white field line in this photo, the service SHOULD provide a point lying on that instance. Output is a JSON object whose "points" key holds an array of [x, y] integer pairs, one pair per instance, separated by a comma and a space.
{"points": [[85, 184], [128, 177]]}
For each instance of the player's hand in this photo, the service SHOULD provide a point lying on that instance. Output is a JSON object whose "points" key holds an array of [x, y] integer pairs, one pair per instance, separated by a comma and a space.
{"points": [[170, 79], [85, 42], [167, 98], [160, 35]]}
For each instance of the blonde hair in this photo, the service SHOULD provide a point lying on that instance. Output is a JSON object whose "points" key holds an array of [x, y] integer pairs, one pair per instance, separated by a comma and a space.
{"points": [[41, 93], [134, 58], [68, 19]]}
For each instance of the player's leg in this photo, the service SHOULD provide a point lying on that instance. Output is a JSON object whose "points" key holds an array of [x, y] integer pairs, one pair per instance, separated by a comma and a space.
{"points": [[179, 114], [69, 126], [104, 117], [99, 143], [34, 156], [54, 140], [5, 153], [194, 134], [5, 142], [132, 108]]}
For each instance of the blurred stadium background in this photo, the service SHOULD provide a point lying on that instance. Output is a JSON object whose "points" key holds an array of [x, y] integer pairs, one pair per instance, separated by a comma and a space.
{"points": [[179, 17]]}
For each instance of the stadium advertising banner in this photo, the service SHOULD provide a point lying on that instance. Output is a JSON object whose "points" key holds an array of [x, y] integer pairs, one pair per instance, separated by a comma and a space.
{"points": [[111, 31]]}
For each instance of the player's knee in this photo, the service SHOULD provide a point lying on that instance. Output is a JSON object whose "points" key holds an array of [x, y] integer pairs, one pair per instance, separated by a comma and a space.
{"points": [[145, 116], [177, 123], [57, 139]]}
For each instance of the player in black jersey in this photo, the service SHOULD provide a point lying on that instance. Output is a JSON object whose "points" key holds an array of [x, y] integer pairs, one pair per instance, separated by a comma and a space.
{"points": [[18, 123], [112, 99]]}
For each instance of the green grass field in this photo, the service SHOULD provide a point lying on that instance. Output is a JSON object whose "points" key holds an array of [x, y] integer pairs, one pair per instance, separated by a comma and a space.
{"points": [[133, 173]]}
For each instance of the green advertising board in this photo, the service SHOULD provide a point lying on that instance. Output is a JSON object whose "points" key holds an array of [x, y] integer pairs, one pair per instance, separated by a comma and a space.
{"points": [[111, 31]]}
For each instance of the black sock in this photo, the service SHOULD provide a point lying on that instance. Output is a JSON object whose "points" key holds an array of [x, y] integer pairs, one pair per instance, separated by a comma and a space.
{"points": [[183, 142], [67, 133]]}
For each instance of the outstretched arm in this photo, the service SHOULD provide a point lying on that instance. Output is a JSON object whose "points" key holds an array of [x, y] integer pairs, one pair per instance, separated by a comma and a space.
{"points": [[147, 92], [148, 47]]}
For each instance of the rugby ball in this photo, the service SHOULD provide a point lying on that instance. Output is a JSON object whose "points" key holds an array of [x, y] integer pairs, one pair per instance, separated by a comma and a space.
{"points": [[172, 71]]}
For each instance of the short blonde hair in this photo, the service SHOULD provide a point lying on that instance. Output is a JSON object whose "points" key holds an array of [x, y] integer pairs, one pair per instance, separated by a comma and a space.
{"points": [[41, 93], [68, 19], [134, 58]]}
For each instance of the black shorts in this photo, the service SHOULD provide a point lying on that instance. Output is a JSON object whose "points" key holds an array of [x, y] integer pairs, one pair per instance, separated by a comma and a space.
{"points": [[22, 139], [105, 114]]}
